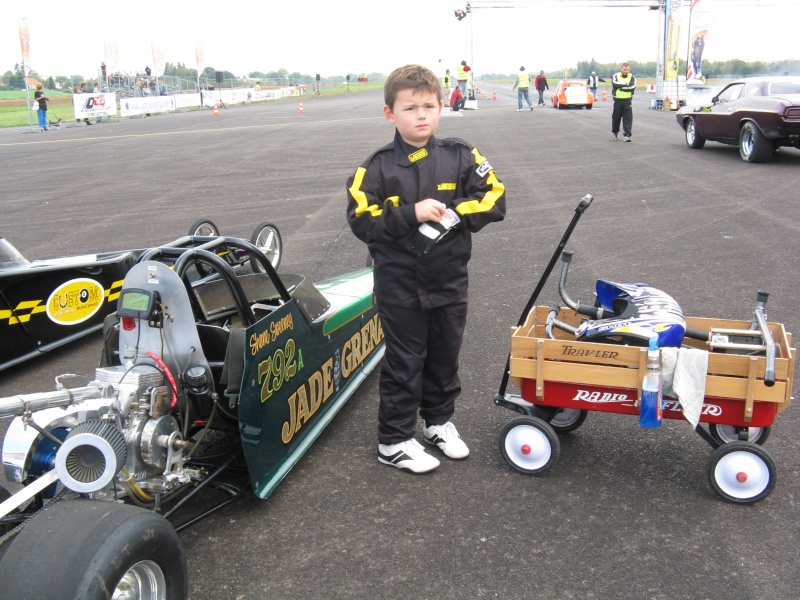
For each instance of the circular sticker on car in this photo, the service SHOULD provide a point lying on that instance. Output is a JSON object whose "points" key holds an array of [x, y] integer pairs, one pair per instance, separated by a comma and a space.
{"points": [[75, 301]]}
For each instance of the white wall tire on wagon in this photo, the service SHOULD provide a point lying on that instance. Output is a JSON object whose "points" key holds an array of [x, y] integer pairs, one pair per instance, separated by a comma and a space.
{"points": [[529, 445], [726, 434], [741, 472]]}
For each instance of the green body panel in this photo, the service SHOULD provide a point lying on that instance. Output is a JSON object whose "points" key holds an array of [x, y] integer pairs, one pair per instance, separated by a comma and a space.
{"points": [[296, 377]]}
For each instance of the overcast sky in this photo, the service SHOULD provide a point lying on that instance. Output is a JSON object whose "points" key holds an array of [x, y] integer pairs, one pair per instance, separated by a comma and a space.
{"points": [[364, 36]]}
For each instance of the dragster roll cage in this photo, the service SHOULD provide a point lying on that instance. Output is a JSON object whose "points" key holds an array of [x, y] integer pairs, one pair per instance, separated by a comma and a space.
{"points": [[183, 257]]}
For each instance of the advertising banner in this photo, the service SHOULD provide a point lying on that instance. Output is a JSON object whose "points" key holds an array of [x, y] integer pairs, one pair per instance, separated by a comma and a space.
{"points": [[94, 105], [674, 14], [129, 107], [699, 20], [25, 44], [187, 100]]}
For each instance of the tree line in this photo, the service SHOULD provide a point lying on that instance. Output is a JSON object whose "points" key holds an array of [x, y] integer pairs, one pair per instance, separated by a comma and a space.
{"points": [[725, 69], [735, 68]]}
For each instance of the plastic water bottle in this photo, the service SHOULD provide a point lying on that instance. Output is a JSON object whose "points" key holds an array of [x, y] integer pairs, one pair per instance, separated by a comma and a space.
{"points": [[650, 405]]}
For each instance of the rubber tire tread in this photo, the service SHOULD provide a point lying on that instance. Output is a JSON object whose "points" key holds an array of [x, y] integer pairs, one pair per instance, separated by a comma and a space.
{"points": [[80, 549]]}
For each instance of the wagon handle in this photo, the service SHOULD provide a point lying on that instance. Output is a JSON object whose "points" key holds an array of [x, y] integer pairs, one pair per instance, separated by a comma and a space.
{"points": [[552, 321], [758, 314], [581, 208], [593, 312]]}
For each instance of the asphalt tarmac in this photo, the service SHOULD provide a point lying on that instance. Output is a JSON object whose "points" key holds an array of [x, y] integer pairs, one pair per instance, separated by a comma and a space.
{"points": [[624, 513]]}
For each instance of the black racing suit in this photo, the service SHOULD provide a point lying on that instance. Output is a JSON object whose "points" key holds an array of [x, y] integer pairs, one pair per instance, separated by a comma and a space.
{"points": [[421, 298]]}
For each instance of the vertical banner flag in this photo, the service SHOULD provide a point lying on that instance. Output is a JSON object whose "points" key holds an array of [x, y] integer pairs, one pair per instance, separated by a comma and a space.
{"points": [[25, 44], [198, 54], [674, 14], [111, 51], [699, 19], [158, 58]]}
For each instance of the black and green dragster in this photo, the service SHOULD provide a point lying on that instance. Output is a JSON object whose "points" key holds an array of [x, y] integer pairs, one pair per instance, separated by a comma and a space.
{"points": [[204, 368]]}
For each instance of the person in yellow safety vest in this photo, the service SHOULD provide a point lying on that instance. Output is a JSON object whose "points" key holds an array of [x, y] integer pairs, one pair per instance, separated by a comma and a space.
{"points": [[462, 76], [522, 84], [623, 86], [446, 85]]}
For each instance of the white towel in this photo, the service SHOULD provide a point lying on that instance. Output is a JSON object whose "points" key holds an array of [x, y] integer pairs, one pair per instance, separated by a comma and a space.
{"points": [[683, 374]]}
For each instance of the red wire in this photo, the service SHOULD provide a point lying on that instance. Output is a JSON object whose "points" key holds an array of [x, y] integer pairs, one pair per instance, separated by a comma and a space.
{"points": [[167, 372]]}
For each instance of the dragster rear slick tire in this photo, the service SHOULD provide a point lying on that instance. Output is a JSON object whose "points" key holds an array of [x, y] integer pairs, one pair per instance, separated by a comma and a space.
{"points": [[90, 550]]}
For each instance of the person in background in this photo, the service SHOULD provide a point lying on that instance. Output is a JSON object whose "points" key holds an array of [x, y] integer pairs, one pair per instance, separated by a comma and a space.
{"points": [[97, 91], [446, 81], [462, 76], [541, 85], [416, 203], [41, 114], [81, 90], [522, 84], [623, 85], [457, 99], [592, 83]]}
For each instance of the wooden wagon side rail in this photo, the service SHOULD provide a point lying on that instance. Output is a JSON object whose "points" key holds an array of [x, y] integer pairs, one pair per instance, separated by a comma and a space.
{"points": [[737, 377]]}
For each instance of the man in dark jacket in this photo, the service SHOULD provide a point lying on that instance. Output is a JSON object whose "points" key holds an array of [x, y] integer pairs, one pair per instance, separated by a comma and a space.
{"points": [[541, 86], [623, 85]]}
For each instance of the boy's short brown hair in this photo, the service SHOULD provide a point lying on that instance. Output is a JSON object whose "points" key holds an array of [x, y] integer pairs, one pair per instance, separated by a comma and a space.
{"points": [[414, 77]]}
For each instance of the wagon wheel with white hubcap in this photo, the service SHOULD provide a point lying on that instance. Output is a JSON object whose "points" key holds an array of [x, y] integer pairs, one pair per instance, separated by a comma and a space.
{"points": [[753, 146], [726, 434], [204, 227], [529, 445], [267, 238], [94, 549], [568, 419], [741, 472], [693, 138]]}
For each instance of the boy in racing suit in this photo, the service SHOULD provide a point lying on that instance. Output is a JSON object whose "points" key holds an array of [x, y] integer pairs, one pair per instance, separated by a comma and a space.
{"points": [[401, 201]]}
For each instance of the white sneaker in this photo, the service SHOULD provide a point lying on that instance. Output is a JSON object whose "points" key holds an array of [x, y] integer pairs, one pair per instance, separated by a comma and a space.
{"points": [[446, 438], [408, 455]]}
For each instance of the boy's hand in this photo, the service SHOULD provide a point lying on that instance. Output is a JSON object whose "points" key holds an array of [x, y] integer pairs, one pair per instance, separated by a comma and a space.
{"points": [[429, 210]]}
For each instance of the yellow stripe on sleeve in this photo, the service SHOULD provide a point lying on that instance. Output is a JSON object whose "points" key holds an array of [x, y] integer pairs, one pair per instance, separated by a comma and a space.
{"points": [[362, 203], [490, 198]]}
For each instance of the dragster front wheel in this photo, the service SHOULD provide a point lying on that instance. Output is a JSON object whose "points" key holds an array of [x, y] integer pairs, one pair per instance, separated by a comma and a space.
{"points": [[204, 227], [267, 238], [529, 445]]}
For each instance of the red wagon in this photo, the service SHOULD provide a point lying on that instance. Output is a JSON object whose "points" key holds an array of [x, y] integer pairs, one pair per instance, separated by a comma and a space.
{"points": [[561, 379]]}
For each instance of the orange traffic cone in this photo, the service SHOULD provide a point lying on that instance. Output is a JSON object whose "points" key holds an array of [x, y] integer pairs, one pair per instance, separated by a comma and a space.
{"points": [[300, 110], [483, 93], [494, 93], [216, 111], [605, 95]]}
